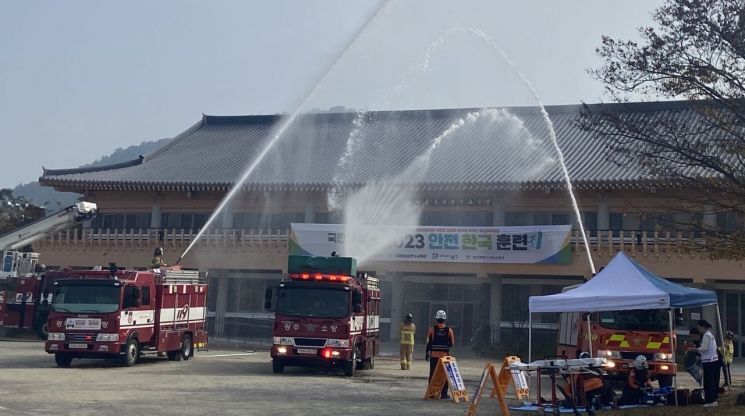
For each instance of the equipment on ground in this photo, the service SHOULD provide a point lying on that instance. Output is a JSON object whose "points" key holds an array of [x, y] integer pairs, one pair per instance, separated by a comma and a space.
{"points": [[123, 314], [326, 315]]}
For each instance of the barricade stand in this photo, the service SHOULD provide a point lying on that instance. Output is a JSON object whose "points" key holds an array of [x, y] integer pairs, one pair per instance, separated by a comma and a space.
{"points": [[500, 384], [516, 376], [489, 372], [447, 371]]}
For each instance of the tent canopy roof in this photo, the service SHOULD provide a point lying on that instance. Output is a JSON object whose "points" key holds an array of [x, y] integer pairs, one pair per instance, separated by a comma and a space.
{"points": [[623, 285]]}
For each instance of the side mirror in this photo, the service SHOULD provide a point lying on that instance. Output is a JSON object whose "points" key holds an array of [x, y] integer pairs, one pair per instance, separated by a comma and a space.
{"points": [[268, 298], [357, 301]]}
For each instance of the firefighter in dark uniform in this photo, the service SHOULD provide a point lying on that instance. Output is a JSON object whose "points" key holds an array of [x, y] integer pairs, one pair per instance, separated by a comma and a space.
{"points": [[157, 261], [440, 339]]}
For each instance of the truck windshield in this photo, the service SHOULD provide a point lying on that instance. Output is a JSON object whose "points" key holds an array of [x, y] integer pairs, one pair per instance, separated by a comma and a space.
{"points": [[79, 298], [313, 303], [637, 320]]}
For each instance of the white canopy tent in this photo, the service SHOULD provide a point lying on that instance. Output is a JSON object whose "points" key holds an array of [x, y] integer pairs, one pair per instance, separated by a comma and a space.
{"points": [[623, 285]]}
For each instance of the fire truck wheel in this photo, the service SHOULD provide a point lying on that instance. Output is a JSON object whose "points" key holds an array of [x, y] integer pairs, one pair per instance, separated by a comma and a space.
{"points": [[62, 360], [174, 355], [278, 366], [351, 365], [186, 347], [131, 353], [665, 380]]}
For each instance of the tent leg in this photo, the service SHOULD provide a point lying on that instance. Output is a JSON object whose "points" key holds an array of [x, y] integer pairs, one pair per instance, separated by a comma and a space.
{"points": [[530, 337], [589, 335], [721, 338], [675, 365]]}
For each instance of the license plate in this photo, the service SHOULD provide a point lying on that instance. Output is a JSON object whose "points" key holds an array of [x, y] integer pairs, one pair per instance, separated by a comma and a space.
{"points": [[306, 351], [79, 346]]}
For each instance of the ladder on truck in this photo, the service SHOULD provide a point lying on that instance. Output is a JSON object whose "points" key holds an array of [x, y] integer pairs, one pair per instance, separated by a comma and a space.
{"points": [[15, 263]]}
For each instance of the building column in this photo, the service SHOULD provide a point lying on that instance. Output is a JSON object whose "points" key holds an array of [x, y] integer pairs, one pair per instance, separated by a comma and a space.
{"points": [[495, 308], [227, 216], [710, 217], [397, 304], [155, 214], [221, 305], [310, 211], [498, 212], [603, 213]]}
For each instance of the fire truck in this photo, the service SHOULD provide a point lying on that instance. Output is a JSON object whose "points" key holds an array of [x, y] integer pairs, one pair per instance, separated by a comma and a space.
{"points": [[24, 289], [326, 315], [621, 336], [123, 314]]}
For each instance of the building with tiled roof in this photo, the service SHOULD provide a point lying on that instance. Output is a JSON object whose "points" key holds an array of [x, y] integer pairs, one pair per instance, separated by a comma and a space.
{"points": [[491, 168]]}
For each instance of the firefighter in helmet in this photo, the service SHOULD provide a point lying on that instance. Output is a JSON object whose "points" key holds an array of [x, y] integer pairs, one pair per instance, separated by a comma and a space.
{"points": [[637, 383], [440, 339], [407, 329], [157, 261]]}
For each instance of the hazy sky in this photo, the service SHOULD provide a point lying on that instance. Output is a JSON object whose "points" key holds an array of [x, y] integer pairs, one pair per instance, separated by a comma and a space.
{"points": [[81, 78]]}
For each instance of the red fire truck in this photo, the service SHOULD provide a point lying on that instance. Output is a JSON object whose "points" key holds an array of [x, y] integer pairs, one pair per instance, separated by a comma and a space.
{"points": [[124, 314], [24, 287], [326, 315], [621, 336]]}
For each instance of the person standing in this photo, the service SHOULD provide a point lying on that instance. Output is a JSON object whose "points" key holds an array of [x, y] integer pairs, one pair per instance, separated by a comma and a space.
{"points": [[157, 261], [729, 353], [710, 362], [407, 330], [440, 339]]}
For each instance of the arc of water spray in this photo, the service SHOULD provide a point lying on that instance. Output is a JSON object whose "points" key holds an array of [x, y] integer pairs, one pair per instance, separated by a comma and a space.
{"points": [[281, 130], [552, 133]]}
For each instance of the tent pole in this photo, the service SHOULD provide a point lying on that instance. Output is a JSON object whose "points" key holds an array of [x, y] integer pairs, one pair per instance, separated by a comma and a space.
{"points": [[721, 338], [675, 362], [589, 335], [530, 337]]}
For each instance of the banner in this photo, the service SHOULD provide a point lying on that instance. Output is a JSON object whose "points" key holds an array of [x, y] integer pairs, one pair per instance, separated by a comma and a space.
{"points": [[544, 244]]}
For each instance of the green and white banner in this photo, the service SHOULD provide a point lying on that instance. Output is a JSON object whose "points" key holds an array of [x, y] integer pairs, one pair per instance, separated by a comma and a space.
{"points": [[545, 244]]}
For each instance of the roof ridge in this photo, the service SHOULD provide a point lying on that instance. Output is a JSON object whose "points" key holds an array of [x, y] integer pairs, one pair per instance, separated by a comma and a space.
{"points": [[113, 166]]}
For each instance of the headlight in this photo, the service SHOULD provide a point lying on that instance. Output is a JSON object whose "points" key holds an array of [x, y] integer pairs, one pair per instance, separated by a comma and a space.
{"points": [[609, 354], [56, 336], [107, 337], [339, 343], [663, 356], [284, 341]]}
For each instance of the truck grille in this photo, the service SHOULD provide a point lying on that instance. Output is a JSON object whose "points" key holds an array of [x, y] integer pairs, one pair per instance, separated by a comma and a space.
{"points": [[80, 337], [310, 342], [633, 355]]}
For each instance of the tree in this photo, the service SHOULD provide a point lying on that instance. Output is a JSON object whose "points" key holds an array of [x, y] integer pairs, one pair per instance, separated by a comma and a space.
{"points": [[15, 212], [695, 53]]}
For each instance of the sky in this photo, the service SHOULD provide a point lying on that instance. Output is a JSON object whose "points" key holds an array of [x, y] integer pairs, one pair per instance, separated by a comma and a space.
{"points": [[79, 79]]}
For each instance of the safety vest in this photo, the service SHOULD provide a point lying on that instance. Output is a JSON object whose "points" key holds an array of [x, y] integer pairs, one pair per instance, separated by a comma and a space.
{"points": [[441, 339], [407, 333]]}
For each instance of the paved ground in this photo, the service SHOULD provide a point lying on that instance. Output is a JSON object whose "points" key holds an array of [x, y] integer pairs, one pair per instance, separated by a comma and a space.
{"points": [[223, 381]]}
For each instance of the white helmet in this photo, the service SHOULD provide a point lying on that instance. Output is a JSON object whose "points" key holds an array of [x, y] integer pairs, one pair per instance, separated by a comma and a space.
{"points": [[441, 315], [585, 355], [640, 362]]}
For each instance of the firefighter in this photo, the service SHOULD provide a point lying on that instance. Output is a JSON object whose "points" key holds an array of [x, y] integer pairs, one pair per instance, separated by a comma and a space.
{"points": [[637, 383], [157, 261], [440, 339], [407, 329]]}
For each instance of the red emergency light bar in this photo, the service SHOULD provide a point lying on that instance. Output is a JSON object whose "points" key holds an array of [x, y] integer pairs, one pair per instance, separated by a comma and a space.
{"points": [[318, 277]]}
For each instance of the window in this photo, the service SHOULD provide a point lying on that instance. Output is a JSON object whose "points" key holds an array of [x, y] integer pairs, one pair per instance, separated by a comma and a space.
{"points": [[213, 285], [515, 303], [267, 221], [560, 219], [541, 219], [616, 222], [590, 220], [515, 218], [145, 300], [457, 218], [187, 221], [121, 221]]}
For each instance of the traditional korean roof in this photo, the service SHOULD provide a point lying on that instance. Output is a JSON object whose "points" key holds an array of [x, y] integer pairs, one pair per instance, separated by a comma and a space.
{"points": [[479, 149]]}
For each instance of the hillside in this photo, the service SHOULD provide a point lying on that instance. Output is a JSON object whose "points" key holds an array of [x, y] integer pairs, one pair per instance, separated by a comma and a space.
{"points": [[53, 200]]}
